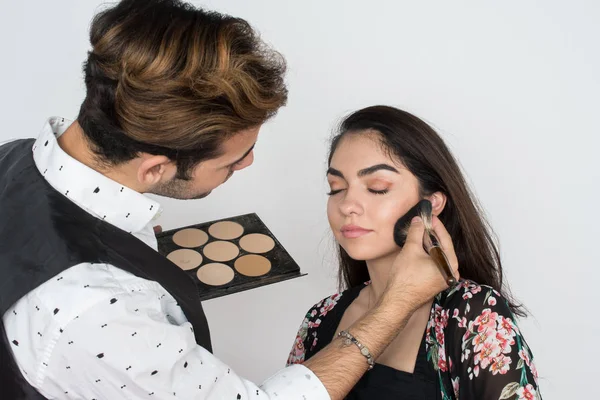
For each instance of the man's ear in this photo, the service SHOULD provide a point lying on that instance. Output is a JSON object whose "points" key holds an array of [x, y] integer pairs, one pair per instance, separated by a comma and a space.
{"points": [[152, 169]]}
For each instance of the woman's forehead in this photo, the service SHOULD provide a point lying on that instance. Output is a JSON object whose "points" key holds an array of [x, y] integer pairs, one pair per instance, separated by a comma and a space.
{"points": [[358, 150]]}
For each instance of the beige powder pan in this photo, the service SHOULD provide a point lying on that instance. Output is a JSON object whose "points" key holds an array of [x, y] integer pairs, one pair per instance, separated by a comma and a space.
{"points": [[229, 255], [190, 237], [257, 243], [215, 274], [221, 251], [252, 265], [226, 230], [185, 259]]}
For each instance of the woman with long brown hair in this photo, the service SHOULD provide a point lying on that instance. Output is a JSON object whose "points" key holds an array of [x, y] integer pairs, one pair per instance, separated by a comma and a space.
{"points": [[464, 344]]}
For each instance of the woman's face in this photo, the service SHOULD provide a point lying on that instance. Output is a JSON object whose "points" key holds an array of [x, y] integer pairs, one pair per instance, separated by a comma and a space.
{"points": [[369, 192]]}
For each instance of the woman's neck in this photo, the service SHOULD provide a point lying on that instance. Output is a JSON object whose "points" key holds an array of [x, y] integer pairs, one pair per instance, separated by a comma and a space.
{"points": [[379, 271]]}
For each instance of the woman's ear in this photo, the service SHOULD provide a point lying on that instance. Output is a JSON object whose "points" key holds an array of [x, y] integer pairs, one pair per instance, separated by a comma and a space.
{"points": [[438, 202]]}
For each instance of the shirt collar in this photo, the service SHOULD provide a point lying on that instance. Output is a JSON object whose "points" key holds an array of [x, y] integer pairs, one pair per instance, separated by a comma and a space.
{"points": [[97, 194]]}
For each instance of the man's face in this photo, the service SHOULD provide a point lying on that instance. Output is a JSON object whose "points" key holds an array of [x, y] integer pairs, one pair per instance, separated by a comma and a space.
{"points": [[238, 153]]}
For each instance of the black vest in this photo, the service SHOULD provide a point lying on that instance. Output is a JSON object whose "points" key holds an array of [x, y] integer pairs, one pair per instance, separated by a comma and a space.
{"points": [[43, 233]]}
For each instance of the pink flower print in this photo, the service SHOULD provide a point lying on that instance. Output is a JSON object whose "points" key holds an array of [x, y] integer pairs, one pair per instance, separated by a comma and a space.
{"points": [[465, 355], [487, 320], [476, 371], [525, 357], [325, 309], [489, 352], [491, 301], [456, 386], [314, 324], [441, 317], [469, 331], [506, 325], [481, 338], [428, 336], [328, 305], [475, 288], [526, 393], [500, 365], [439, 335], [504, 341], [303, 329], [534, 371], [445, 317], [442, 365], [470, 290], [297, 353], [462, 323], [313, 313], [314, 343], [455, 314]]}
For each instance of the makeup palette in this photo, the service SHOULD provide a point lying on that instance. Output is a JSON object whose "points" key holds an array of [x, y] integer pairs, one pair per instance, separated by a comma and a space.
{"points": [[229, 255]]}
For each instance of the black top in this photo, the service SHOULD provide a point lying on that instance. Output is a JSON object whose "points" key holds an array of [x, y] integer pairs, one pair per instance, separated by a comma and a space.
{"points": [[382, 382]]}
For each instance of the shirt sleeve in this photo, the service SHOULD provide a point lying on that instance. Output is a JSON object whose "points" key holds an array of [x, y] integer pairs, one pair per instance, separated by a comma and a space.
{"points": [[488, 357], [127, 347]]}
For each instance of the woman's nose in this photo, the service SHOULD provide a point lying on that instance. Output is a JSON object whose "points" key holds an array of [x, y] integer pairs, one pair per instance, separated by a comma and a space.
{"points": [[351, 204]]}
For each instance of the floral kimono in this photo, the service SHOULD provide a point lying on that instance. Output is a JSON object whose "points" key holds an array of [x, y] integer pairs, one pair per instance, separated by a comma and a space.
{"points": [[471, 349]]}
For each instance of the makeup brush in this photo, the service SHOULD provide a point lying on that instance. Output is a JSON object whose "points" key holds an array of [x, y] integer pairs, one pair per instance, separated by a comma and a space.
{"points": [[431, 244], [403, 224]]}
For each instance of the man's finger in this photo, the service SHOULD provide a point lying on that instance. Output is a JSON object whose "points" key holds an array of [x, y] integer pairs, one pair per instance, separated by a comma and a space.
{"points": [[415, 232]]}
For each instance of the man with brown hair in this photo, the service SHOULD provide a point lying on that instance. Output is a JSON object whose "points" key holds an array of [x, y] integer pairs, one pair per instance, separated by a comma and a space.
{"points": [[175, 100]]}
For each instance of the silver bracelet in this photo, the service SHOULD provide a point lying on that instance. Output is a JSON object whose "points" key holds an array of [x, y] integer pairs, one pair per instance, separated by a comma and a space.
{"points": [[349, 339]]}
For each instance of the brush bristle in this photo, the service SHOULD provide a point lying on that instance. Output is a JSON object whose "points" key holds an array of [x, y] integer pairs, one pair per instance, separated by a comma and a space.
{"points": [[425, 213], [422, 209]]}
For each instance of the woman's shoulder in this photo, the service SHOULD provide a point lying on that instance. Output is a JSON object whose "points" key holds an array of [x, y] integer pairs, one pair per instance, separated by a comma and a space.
{"points": [[468, 303], [306, 338], [468, 291], [322, 308], [314, 331]]}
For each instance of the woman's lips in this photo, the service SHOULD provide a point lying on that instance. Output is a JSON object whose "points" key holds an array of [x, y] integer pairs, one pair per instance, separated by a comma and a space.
{"points": [[353, 231]]}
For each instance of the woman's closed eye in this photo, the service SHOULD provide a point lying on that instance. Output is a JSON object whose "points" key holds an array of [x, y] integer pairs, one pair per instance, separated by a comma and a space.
{"points": [[382, 191], [378, 186], [333, 192]]}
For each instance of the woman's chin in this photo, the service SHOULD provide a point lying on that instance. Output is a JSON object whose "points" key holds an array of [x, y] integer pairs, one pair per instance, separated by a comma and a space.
{"points": [[362, 253], [368, 253]]}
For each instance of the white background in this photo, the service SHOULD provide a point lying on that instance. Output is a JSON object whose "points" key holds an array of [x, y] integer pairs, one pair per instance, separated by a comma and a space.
{"points": [[512, 86]]}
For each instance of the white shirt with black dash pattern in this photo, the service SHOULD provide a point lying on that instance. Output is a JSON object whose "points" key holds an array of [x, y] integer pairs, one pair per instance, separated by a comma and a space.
{"points": [[97, 332]]}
